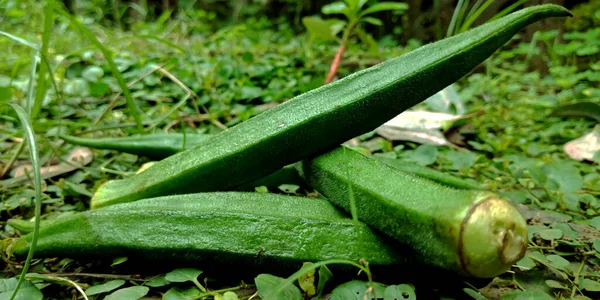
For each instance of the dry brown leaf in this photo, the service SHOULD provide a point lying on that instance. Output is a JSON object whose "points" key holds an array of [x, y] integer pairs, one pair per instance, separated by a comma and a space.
{"points": [[421, 136], [78, 158], [585, 147], [425, 120]]}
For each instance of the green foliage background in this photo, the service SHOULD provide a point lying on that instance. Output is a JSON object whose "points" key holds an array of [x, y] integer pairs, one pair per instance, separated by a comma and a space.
{"points": [[208, 66]]}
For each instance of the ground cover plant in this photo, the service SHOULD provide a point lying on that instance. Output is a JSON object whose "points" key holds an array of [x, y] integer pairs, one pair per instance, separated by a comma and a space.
{"points": [[529, 134]]}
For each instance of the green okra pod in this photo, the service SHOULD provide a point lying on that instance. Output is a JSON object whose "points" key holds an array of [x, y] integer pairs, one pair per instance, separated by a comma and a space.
{"points": [[321, 119]]}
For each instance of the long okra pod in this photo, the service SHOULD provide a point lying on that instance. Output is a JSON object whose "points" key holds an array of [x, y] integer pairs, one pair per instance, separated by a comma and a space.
{"points": [[476, 233], [321, 119]]}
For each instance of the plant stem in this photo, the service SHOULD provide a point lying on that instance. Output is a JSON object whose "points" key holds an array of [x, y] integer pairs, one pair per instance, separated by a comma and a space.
{"points": [[338, 56], [200, 287]]}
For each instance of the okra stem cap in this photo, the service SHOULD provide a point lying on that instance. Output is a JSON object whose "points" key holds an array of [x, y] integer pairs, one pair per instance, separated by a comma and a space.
{"points": [[493, 237]]}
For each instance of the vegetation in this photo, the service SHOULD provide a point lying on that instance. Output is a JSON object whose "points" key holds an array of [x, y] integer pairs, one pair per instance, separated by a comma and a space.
{"points": [[522, 124]]}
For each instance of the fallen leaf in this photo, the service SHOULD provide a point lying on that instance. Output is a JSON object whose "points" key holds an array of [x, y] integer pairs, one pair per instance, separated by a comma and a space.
{"points": [[421, 136], [585, 147], [78, 158], [425, 120]]}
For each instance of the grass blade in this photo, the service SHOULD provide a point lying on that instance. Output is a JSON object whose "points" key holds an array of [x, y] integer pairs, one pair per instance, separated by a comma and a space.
{"points": [[42, 83], [474, 8], [467, 24], [37, 181], [508, 10], [133, 109], [452, 25], [30, 97], [462, 16]]}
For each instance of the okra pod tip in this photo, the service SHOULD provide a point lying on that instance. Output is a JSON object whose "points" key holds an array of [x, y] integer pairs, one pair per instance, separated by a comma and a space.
{"points": [[493, 236]]}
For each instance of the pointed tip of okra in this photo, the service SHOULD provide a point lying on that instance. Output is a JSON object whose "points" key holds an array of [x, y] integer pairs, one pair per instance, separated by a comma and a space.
{"points": [[493, 237], [556, 10]]}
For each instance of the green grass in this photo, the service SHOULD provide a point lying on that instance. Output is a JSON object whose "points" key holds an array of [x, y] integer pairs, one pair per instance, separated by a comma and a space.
{"points": [[215, 79]]}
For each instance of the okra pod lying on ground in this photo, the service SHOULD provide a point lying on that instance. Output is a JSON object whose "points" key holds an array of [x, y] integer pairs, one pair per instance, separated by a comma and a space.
{"points": [[225, 227], [321, 119], [156, 145], [164, 145], [475, 233]]}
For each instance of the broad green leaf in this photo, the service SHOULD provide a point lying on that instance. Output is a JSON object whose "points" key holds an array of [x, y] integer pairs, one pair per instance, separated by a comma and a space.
{"points": [[118, 260], [178, 294], [371, 20], [76, 87], [401, 291], [27, 291], [249, 92], [571, 201], [130, 293], [596, 245], [423, 155], [92, 73], [557, 261], [566, 230], [526, 263], [527, 295], [461, 160], [354, 3], [322, 29], [595, 222], [354, 6], [588, 50], [551, 234], [105, 287], [183, 275], [99, 89], [157, 282], [581, 297], [565, 175], [355, 290], [383, 6], [556, 284], [266, 284], [230, 296], [338, 7], [590, 285]]}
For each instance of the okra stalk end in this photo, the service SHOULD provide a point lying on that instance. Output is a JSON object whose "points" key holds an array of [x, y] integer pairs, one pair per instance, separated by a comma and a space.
{"points": [[493, 236]]}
